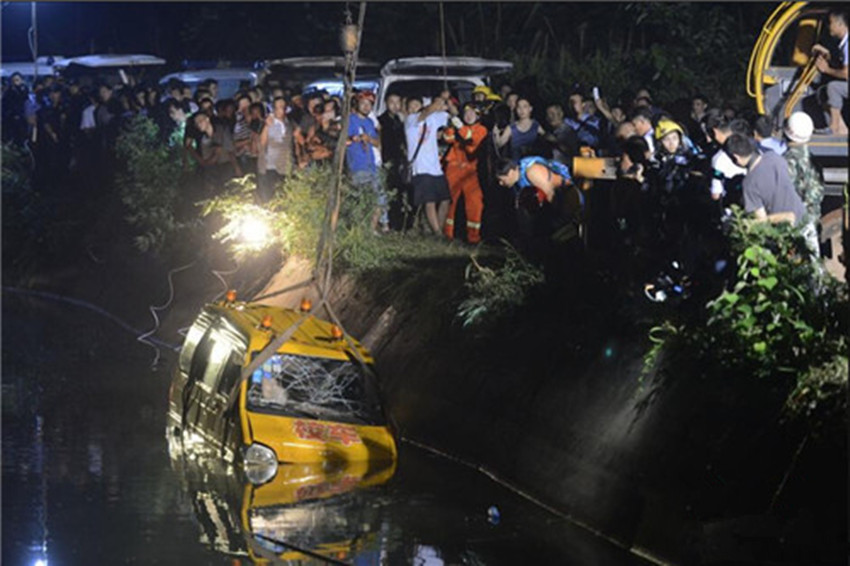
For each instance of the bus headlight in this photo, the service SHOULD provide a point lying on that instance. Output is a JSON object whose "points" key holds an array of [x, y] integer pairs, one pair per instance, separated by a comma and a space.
{"points": [[260, 463]]}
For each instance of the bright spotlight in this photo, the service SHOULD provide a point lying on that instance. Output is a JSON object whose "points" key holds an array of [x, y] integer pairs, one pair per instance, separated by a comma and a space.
{"points": [[254, 231], [40, 562]]}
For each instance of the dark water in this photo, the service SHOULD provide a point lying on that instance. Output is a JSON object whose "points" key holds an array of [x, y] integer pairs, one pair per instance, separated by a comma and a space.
{"points": [[87, 477]]}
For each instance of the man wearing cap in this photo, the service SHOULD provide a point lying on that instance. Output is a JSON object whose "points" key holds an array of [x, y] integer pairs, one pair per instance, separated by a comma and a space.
{"points": [[360, 157], [804, 176], [461, 167]]}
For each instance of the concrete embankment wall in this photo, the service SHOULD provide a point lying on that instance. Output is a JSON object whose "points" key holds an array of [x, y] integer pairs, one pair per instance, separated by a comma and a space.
{"points": [[684, 470]]}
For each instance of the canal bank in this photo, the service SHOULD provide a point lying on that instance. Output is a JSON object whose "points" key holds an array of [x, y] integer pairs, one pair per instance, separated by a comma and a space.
{"points": [[547, 400], [685, 470]]}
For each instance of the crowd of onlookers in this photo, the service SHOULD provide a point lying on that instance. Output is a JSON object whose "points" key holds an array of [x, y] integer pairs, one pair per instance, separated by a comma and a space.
{"points": [[676, 170]]}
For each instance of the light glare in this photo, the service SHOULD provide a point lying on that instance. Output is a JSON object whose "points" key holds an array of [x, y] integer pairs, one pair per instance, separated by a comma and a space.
{"points": [[254, 231]]}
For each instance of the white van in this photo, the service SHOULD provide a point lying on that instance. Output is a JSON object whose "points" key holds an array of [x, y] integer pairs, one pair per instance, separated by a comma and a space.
{"points": [[27, 69], [425, 76], [299, 72], [229, 79], [109, 68]]}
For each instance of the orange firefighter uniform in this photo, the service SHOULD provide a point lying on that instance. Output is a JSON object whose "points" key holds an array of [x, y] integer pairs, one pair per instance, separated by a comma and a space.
{"points": [[461, 168]]}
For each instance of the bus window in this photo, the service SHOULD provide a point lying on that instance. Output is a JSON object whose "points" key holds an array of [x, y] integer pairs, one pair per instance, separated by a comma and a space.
{"points": [[201, 357], [193, 338], [232, 371]]}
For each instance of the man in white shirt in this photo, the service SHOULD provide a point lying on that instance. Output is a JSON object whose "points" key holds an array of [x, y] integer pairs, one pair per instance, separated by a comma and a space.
{"points": [[429, 183], [642, 120], [725, 171]]}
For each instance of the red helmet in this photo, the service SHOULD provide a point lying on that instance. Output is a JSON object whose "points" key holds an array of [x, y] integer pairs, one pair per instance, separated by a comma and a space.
{"points": [[367, 94]]}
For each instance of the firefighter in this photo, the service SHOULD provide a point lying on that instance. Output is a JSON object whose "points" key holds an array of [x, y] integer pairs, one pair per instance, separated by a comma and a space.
{"points": [[461, 167]]}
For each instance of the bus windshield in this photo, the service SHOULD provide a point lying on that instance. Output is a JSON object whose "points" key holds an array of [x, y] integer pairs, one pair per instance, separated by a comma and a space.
{"points": [[318, 388]]}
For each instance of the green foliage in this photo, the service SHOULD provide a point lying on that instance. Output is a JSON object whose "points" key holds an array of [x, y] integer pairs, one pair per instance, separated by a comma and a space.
{"points": [[784, 316], [494, 292], [23, 209], [822, 389], [781, 313], [149, 183], [666, 47], [295, 218], [16, 170], [294, 215]]}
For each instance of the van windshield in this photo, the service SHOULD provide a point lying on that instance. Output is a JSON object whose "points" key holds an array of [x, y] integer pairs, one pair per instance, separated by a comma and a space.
{"points": [[318, 388]]}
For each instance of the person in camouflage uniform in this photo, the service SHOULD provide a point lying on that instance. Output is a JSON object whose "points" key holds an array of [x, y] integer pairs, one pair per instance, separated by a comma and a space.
{"points": [[805, 177]]}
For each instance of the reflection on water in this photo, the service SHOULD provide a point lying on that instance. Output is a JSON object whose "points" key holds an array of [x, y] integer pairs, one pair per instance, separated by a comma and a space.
{"points": [[89, 478], [308, 513]]}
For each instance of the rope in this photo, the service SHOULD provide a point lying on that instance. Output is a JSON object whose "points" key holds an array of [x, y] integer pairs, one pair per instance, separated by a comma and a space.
{"points": [[324, 252], [305, 283], [443, 44], [323, 271], [636, 550]]}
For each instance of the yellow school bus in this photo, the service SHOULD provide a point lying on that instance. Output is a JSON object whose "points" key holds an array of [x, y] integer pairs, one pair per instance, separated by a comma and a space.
{"points": [[262, 386]]}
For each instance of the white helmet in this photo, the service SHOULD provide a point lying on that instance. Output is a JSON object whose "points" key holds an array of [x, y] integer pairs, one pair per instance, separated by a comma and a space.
{"points": [[799, 127]]}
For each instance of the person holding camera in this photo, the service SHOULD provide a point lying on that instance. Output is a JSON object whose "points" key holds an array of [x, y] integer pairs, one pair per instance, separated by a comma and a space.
{"points": [[429, 183]]}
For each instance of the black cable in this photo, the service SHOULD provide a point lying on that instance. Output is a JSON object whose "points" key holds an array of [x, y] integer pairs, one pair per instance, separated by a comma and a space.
{"points": [[305, 283], [90, 306], [144, 338]]}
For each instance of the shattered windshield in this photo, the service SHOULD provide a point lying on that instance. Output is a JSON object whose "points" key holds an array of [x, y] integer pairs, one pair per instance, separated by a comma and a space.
{"points": [[318, 388]]}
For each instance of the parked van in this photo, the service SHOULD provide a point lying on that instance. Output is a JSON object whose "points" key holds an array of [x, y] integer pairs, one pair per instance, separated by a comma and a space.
{"points": [[425, 76], [90, 70], [229, 80], [296, 72], [311, 399], [27, 69], [336, 87]]}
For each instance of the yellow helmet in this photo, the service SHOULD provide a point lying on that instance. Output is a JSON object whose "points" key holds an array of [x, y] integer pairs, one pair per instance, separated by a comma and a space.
{"points": [[484, 89], [665, 126]]}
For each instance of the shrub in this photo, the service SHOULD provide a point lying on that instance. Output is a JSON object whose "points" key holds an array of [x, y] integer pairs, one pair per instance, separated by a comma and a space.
{"points": [[495, 292], [295, 217], [783, 316], [149, 183], [25, 212]]}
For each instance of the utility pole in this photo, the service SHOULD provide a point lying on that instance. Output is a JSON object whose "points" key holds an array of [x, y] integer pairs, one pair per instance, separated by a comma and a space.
{"points": [[34, 45]]}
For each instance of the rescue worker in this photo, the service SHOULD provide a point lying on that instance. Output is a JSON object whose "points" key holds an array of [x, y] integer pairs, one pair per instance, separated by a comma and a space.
{"points": [[678, 188], [544, 190], [461, 168], [804, 176]]}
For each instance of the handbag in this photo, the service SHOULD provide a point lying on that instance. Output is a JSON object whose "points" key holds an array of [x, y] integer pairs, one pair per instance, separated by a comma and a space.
{"points": [[406, 169]]}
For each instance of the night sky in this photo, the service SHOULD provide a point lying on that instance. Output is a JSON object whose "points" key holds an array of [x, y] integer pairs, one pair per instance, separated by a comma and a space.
{"points": [[210, 31]]}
